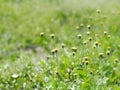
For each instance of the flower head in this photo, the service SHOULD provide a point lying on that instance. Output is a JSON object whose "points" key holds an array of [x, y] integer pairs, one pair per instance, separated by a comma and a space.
{"points": [[88, 33], [85, 42], [108, 48], [77, 27], [101, 55], [105, 33], [63, 45], [86, 58], [108, 52], [73, 53], [52, 36], [56, 50], [74, 49], [90, 38], [98, 11], [52, 51], [96, 43], [42, 34], [109, 36], [79, 35], [86, 62], [81, 25], [89, 26]]}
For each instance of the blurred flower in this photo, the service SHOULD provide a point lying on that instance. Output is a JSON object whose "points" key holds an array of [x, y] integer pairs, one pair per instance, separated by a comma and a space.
{"points": [[15, 76], [79, 35], [86, 62], [96, 43], [81, 25], [109, 36], [90, 38], [86, 58], [108, 48], [88, 33], [52, 36], [101, 55], [42, 34], [74, 49], [98, 11], [85, 42], [77, 27], [105, 33], [108, 52], [63, 45], [89, 26], [73, 53]]}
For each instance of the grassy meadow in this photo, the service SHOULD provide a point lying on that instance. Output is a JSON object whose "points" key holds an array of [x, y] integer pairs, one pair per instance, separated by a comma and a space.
{"points": [[59, 45]]}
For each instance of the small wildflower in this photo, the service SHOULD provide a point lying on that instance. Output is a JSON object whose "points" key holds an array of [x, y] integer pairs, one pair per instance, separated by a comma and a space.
{"points": [[105, 33], [53, 51], [89, 26], [86, 58], [85, 42], [96, 35], [56, 72], [90, 38], [74, 49], [101, 55], [109, 36], [98, 11], [108, 48], [73, 53], [68, 70], [81, 25], [94, 46], [108, 52], [96, 43], [88, 33], [15, 76], [47, 57], [91, 72], [86, 62], [42, 34], [63, 45], [79, 35], [77, 27], [52, 36], [56, 50]]}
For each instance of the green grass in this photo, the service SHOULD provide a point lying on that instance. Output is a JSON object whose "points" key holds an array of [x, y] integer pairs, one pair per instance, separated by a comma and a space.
{"points": [[29, 61]]}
